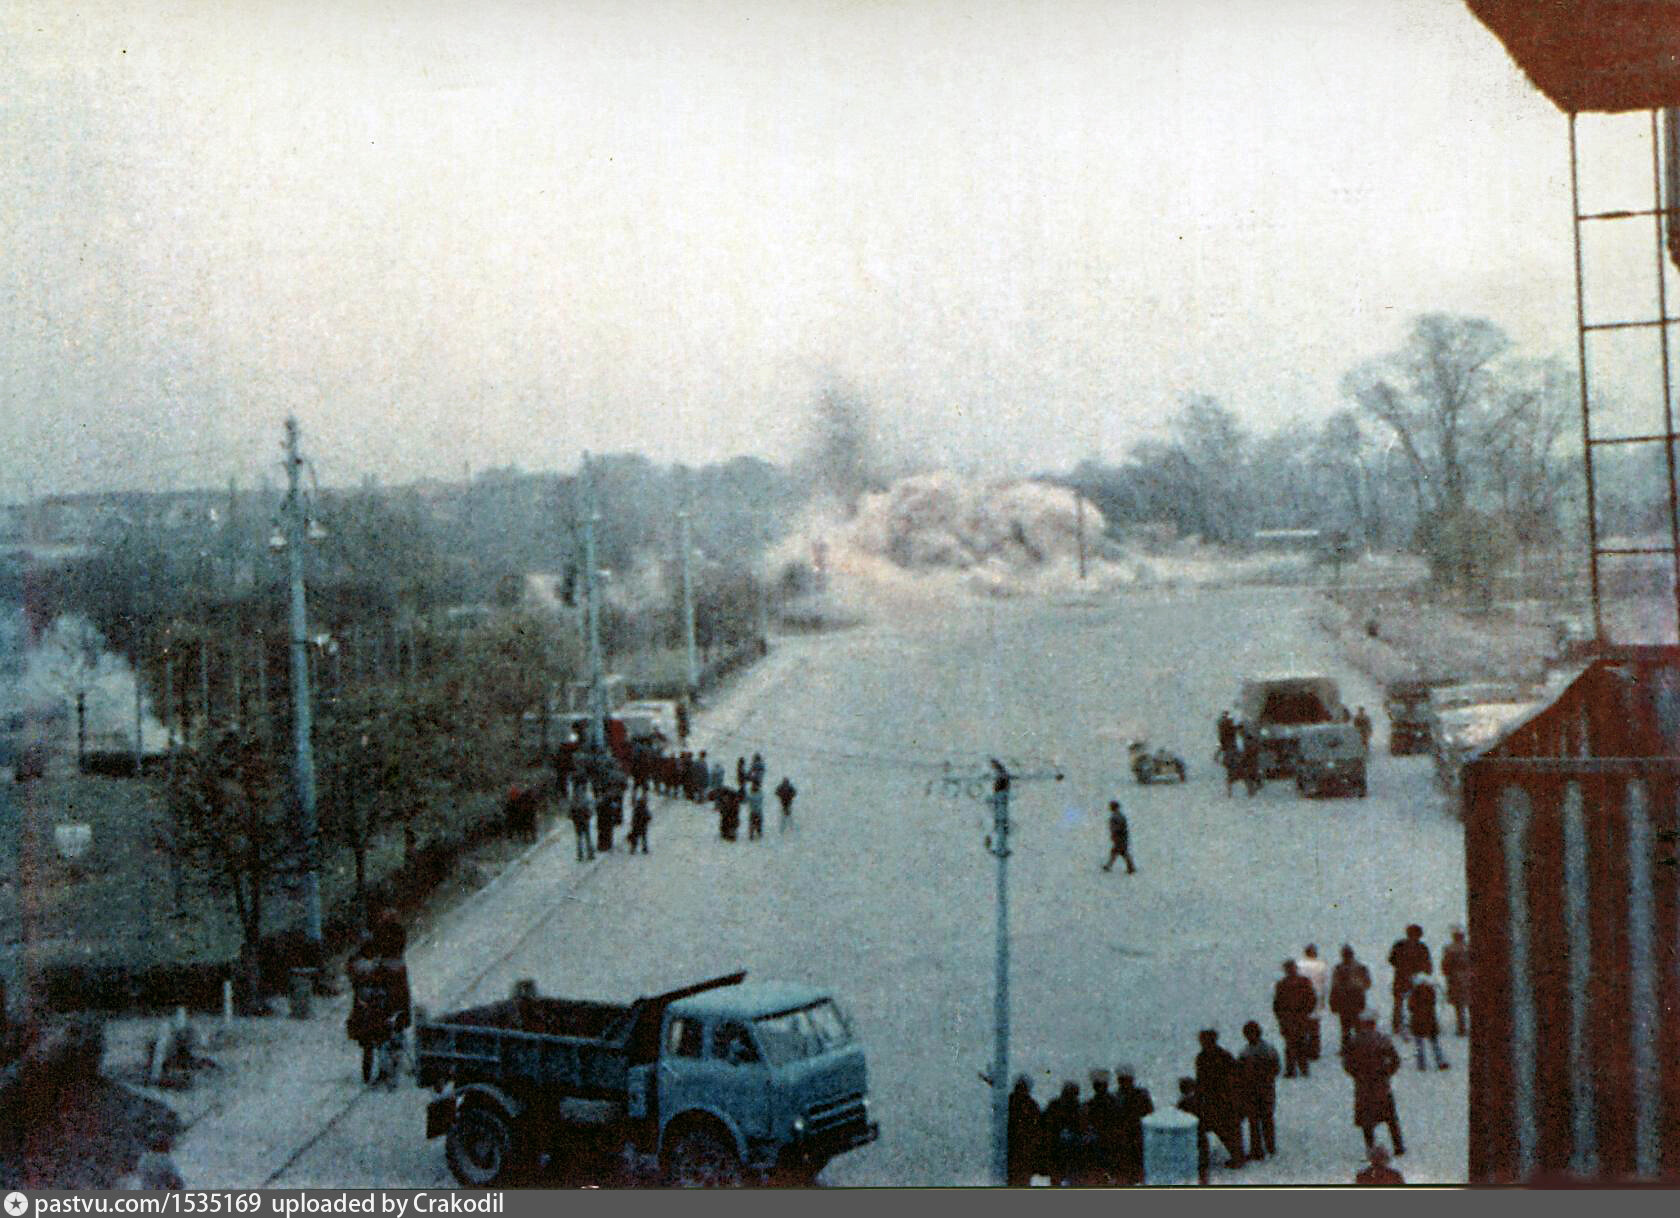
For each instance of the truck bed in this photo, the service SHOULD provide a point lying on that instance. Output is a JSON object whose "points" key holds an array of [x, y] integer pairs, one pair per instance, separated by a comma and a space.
{"points": [[524, 1044], [545, 1017]]}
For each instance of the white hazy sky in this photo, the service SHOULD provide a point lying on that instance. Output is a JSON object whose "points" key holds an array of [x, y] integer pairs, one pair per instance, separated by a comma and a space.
{"points": [[503, 232]]}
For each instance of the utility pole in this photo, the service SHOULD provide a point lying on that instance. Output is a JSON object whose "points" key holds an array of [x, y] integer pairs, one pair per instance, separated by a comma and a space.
{"points": [[999, 846], [597, 740], [295, 534], [1079, 510], [688, 602]]}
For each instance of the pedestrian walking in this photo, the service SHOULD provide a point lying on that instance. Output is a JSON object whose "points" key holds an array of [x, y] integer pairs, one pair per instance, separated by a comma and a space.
{"points": [[728, 801], [755, 810], [1063, 1135], [1426, 1027], [1119, 838], [1227, 728], [1316, 971], [579, 812], [1250, 768], [755, 768], [1409, 957], [1371, 1061], [785, 791], [1258, 1063], [1216, 1093], [1362, 724], [1349, 982], [640, 819], [741, 773], [1293, 1002], [1135, 1104], [1026, 1138], [1379, 1174], [1456, 971], [609, 810]]}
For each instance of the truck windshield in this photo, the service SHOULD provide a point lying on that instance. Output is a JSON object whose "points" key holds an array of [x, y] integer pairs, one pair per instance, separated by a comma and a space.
{"points": [[793, 1036]]}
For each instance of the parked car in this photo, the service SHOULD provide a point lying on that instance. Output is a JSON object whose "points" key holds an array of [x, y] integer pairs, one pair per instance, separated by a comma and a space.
{"points": [[1330, 759]]}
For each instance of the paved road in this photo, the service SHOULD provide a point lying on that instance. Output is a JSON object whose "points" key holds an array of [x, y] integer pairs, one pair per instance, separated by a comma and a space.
{"points": [[885, 893]]}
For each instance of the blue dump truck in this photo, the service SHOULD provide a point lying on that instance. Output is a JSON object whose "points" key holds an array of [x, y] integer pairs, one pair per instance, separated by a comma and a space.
{"points": [[711, 1084]]}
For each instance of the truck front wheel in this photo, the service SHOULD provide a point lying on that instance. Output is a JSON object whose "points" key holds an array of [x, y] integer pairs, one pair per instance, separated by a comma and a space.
{"points": [[478, 1146], [702, 1158]]}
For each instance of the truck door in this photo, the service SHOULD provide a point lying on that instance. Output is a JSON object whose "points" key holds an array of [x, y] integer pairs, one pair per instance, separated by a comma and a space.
{"points": [[741, 1077], [717, 1068]]}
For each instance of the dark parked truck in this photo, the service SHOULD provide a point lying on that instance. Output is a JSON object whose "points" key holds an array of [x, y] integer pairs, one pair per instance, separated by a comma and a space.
{"points": [[1279, 708], [709, 1084], [1330, 760], [1407, 704]]}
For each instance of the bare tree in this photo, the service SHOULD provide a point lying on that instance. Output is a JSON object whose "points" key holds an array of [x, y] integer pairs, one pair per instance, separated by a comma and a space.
{"points": [[1439, 394], [232, 818], [841, 448]]}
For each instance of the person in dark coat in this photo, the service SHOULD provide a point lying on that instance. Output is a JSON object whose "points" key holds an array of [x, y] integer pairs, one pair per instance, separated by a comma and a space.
{"points": [[1456, 970], [379, 1008], [741, 773], [1135, 1104], [728, 801], [1371, 1061], [1349, 981], [640, 819], [1258, 1062], [755, 810], [1119, 838], [1216, 1093], [1362, 724], [1409, 957], [519, 812], [785, 791], [1189, 1101], [1293, 1002], [578, 810], [1063, 1135], [1026, 1139], [1248, 760], [1227, 732], [1426, 1027], [609, 810], [755, 768], [1102, 1134]]}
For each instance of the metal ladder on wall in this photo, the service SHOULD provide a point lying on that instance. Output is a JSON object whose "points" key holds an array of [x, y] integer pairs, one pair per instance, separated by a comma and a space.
{"points": [[1662, 322]]}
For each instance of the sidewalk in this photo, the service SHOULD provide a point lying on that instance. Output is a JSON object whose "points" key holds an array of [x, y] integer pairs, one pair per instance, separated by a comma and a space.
{"points": [[295, 1080]]}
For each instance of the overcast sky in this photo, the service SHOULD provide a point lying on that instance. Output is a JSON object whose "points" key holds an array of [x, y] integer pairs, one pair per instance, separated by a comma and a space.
{"points": [[498, 233]]}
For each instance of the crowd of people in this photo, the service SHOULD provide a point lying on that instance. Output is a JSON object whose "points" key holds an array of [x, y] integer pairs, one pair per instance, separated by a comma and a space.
{"points": [[1233, 1096], [595, 790]]}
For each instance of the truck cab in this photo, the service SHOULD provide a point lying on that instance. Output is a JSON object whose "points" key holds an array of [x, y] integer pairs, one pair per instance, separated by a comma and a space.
{"points": [[767, 1076]]}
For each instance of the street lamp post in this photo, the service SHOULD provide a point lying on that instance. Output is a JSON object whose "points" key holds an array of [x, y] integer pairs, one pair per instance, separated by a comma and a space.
{"points": [[693, 669], [301, 726]]}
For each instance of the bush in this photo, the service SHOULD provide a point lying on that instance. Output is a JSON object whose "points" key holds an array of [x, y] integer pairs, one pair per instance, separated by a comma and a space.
{"points": [[116, 985]]}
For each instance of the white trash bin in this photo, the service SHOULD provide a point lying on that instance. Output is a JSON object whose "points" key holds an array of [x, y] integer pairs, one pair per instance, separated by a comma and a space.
{"points": [[1169, 1148]]}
